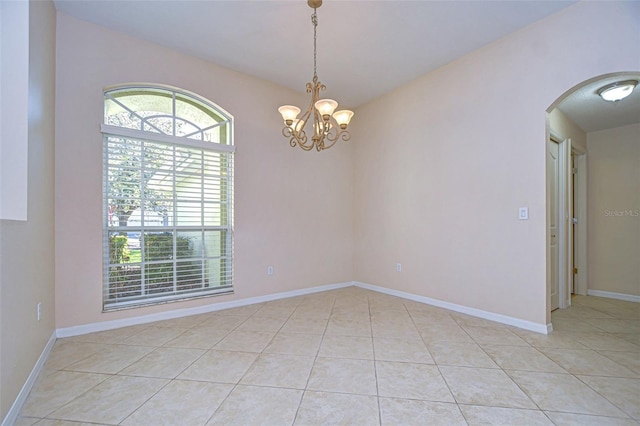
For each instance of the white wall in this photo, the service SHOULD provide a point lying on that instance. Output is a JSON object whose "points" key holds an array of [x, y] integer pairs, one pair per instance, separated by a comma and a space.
{"points": [[14, 93], [26, 247], [293, 209], [452, 155], [614, 210]]}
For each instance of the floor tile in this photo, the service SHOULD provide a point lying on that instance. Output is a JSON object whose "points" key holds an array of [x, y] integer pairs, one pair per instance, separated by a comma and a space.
{"points": [[51, 392], [427, 319], [563, 392], [111, 401], [197, 338], [401, 350], [352, 313], [571, 419], [395, 411], [111, 359], [629, 337], [50, 422], [256, 323], [579, 312], [478, 415], [241, 311], [616, 325], [577, 361], [305, 325], [476, 386], [521, 358], [154, 336], [574, 326], [117, 335], [275, 311], [605, 342], [494, 336], [294, 344], [321, 408], [26, 421], [394, 326], [343, 375], [278, 370], [312, 313], [555, 340], [631, 360], [245, 341], [223, 321], [413, 381], [252, 405], [444, 333], [355, 347], [385, 316], [623, 393], [460, 354], [163, 363], [388, 303], [183, 322], [348, 327], [220, 366], [181, 402], [470, 321], [351, 318], [66, 353]]}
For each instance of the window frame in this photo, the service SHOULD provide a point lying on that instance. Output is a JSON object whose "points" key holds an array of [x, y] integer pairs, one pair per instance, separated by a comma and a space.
{"points": [[220, 150]]}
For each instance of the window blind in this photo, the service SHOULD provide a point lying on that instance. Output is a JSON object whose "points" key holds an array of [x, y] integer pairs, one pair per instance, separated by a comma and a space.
{"points": [[168, 218]]}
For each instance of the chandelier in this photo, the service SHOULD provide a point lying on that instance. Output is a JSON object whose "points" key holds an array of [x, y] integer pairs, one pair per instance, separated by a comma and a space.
{"points": [[328, 126]]}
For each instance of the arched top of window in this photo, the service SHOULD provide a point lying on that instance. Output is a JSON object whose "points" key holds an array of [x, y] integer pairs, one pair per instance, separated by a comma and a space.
{"points": [[167, 111]]}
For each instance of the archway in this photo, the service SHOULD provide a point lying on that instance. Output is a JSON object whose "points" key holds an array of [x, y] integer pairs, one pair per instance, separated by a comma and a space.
{"points": [[577, 119]]}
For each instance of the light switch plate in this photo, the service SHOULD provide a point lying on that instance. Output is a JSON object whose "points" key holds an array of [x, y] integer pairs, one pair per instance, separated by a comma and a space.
{"points": [[523, 213]]}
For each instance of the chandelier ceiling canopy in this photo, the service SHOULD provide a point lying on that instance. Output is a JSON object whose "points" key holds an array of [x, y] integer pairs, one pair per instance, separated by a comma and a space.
{"points": [[329, 125]]}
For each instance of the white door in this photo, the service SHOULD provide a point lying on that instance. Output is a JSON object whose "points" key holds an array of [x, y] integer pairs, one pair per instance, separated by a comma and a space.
{"points": [[554, 219]]}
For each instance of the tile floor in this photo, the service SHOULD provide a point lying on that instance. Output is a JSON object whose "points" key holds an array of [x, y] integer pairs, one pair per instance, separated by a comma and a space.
{"points": [[348, 356]]}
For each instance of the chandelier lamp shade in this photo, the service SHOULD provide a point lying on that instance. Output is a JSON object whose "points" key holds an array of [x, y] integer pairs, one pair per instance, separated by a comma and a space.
{"points": [[329, 125]]}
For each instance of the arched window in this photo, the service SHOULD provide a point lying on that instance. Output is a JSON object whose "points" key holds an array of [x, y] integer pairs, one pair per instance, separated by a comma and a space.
{"points": [[168, 196]]}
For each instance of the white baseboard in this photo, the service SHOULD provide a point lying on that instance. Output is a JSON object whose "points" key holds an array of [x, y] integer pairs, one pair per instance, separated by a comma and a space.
{"points": [[611, 295], [14, 411], [145, 319], [177, 313], [503, 319]]}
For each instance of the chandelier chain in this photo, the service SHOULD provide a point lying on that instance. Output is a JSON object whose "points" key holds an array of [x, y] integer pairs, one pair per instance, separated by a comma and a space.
{"points": [[314, 21]]}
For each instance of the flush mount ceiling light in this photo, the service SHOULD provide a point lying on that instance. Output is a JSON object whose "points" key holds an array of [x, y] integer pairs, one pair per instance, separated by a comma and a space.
{"points": [[328, 125], [616, 91]]}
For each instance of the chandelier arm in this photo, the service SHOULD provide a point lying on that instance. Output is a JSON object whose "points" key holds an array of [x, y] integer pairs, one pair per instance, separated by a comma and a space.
{"points": [[335, 133], [303, 146]]}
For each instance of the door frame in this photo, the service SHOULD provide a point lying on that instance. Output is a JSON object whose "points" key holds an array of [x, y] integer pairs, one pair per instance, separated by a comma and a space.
{"points": [[565, 215], [579, 239]]}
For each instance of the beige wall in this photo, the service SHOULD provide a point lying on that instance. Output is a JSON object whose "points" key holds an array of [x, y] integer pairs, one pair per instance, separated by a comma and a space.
{"points": [[293, 209], [567, 129], [613, 209], [26, 247], [443, 163]]}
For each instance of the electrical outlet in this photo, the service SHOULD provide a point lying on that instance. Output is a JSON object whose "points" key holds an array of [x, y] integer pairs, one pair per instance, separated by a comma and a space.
{"points": [[269, 270], [398, 267], [39, 310]]}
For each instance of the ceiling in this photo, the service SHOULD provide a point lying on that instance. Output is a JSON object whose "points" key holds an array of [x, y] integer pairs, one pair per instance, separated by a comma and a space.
{"points": [[365, 48], [587, 109]]}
